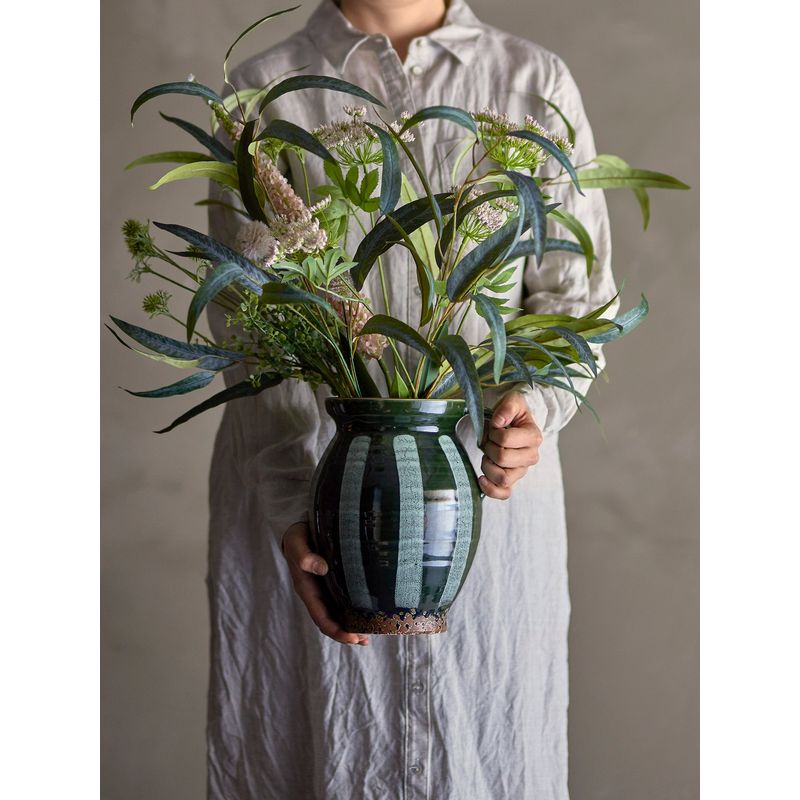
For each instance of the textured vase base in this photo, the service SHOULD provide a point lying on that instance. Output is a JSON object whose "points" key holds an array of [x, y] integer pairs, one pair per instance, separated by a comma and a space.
{"points": [[403, 623]]}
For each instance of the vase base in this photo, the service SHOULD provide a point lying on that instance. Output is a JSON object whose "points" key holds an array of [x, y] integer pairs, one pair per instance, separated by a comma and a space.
{"points": [[402, 623]]}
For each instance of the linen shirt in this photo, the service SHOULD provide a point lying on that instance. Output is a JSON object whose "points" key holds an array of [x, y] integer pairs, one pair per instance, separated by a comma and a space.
{"points": [[478, 712]]}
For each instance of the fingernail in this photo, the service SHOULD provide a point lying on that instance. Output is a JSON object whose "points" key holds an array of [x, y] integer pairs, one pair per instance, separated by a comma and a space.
{"points": [[320, 568]]}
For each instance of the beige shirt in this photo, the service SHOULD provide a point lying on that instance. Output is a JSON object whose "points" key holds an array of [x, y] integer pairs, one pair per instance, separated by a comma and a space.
{"points": [[477, 712]]}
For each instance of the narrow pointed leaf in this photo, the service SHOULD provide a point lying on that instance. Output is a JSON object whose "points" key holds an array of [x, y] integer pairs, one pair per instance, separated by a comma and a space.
{"points": [[290, 133], [526, 247], [209, 362], [580, 346], [178, 87], [171, 157], [365, 382], [450, 113], [390, 172], [618, 177], [626, 322], [245, 172], [641, 195], [222, 276], [457, 352], [224, 174], [188, 384], [247, 30], [216, 250], [235, 392], [564, 119], [530, 194], [482, 259], [497, 330], [576, 227], [298, 82], [215, 147], [286, 294], [554, 150], [395, 329], [168, 346], [385, 235]]}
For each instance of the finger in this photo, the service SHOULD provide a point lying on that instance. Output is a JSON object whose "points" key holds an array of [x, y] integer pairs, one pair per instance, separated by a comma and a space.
{"points": [[492, 490], [509, 458], [310, 593], [526, 435], [504, 478], [298, 553], [512, 407]]}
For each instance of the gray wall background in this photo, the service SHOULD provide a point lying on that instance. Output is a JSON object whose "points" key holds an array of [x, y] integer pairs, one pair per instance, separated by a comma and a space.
{"points": [[632, 498]]}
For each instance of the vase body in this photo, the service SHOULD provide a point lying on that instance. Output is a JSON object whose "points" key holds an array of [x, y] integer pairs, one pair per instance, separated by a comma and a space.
{"points": [[396, 513]]}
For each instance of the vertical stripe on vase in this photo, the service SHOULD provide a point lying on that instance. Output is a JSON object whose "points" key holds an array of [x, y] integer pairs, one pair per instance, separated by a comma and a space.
{"points": [[350, 522], [408, 584], [464, 528]]}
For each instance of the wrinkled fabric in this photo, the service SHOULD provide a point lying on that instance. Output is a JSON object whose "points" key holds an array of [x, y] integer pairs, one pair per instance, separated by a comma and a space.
{"points": [[478, 712]]}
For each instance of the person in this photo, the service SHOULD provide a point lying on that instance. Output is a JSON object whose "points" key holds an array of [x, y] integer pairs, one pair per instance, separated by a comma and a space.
{"points": [[480, 711]]}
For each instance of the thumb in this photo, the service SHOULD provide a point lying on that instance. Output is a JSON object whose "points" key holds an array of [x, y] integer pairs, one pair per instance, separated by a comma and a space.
{"points": [[508, 409]]}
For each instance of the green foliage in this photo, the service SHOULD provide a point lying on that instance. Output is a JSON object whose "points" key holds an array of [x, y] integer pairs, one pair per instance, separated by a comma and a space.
{"points": [[292, 290]]}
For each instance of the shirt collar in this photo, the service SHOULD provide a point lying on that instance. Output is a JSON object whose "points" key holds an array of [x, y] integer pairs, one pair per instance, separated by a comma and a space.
{"points": [[337, 39]]}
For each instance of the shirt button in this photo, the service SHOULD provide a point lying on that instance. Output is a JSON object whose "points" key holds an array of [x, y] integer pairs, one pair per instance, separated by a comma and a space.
{"points": [[417, 687], [415, 769], [417, 291], [422, 42], [416, 70]]}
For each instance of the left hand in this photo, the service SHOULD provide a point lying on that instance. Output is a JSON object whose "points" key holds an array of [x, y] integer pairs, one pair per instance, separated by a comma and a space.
{"points": [[511, 443]]}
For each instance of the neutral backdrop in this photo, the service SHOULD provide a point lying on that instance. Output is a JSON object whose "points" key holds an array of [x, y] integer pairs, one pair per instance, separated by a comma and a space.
{"points": [[631, 489]]}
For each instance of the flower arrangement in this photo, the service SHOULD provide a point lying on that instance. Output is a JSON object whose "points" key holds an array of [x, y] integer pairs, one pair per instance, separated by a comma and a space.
{"points": [[294, 295]]}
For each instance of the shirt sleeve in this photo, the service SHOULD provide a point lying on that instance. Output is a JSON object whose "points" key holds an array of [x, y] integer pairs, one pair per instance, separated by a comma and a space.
{"points": [[560, 285]]}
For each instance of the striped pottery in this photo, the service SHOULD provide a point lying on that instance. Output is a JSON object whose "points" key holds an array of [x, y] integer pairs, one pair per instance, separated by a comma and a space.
{"points": [[396, 512]]}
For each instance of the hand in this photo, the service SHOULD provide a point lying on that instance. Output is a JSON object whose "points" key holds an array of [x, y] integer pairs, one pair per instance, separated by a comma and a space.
{"points": [[304, 566], [511, 443]]}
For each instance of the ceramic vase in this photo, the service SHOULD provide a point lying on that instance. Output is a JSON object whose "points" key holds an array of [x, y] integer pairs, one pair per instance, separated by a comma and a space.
{"points": [[396, 512]]}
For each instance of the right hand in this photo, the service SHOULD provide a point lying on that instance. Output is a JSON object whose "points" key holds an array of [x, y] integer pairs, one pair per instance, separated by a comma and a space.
{"points": [[305, 566]]}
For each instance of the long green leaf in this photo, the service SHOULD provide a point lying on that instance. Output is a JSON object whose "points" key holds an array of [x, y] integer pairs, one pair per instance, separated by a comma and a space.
{"points": [[579, 344], [616, 177], [564, 119], [284, 294], [245, 172], [297, 82], [482, 259], [217, 251], [554, 150], [171, 157], [178, 87], [290, 133], [222, 276], [626, 322], [576, 227], [209, 357], [224, 174], [188, 384], [395, 329], [247, 30], [238, 390], [384, 235], [457, 352], [367, 386], [209, 362], [534, 208], [215, 147], [641, 195], [422, 238], [390, 171], [450, 113], [497, 328]]}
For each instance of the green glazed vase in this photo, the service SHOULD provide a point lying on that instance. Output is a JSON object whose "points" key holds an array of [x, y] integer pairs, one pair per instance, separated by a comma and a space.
{"points": [[396, 512]]}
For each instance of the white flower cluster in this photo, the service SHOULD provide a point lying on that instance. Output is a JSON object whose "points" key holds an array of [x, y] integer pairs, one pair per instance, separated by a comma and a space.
{"points": [[354, 132]]}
